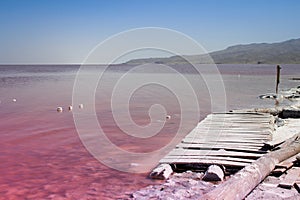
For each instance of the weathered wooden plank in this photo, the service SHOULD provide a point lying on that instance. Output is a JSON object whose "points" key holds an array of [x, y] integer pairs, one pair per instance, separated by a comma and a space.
{"points": [[238, 120], [176, 152], [250, 118], [274, 143], [239, 115], [291, 177], [257, 115], [222, 146], [229, 143], [214, 143], [269, 120], [229, 138], [235, 126], [210, 158], [203, 133], [256, 124], [234, 129], [206, 162], [297, 186], [230, 135], [229, 131], [220, 136], [248, 123], [220, 140], [288, 163], [278, 171]]}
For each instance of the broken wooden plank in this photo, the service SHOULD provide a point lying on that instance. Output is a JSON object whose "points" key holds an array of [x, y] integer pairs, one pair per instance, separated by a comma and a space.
{"points": [[247, 124], [234, 128], [278, 171], [176, 152], [297, 186], [202, 161], [291, 177], [239, 114], [288, 163], [238, 120], [201, 157], [220, 140], [214, 131], [236, 147], [217, 136], [228, 143], [274, 143]]}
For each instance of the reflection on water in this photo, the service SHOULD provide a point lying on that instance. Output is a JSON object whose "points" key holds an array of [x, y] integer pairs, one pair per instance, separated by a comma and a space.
{"points": [[42, 155]]}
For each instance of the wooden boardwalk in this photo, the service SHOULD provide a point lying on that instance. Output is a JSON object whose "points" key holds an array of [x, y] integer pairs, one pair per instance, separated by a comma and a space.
{"points": [[232, 140]]}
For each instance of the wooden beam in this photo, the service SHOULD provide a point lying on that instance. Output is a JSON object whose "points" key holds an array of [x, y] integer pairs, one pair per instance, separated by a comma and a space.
{"points": [[178, 152], [244, 160], [288, 163], [216, 143], [236, 147], [206, 162], [220, 140]]}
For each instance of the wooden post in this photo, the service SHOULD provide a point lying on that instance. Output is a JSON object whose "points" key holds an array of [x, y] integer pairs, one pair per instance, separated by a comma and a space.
{"points": [[244, 181], [278, 78]]}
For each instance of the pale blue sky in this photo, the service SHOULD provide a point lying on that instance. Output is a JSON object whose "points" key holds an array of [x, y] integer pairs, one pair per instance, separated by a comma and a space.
{"points": [[64, 31]]}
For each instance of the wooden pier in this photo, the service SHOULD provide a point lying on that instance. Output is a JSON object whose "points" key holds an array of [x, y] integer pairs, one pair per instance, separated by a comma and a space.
{"points": [[232, 140], [247, 145]]}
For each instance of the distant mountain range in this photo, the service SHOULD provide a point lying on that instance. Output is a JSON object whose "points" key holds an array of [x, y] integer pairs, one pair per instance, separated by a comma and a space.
{"points": [[287, 52]]}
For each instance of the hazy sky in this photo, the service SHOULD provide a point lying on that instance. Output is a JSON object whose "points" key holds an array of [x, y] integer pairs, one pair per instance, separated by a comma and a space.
{"points": [[64, 31]]}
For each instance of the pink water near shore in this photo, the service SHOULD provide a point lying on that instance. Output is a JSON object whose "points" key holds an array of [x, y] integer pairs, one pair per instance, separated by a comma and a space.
{"points": [[42, 156]]}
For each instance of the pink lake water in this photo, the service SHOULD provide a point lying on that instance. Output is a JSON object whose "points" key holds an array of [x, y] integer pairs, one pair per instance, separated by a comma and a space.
{"points": [[41, 154]]}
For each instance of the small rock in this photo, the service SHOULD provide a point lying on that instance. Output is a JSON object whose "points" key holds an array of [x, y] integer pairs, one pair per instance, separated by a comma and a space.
{"points": [[214, 173], [14, 100], [168, 117], [80, 106], [163, 171], [59, 109], [70, 108]]}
